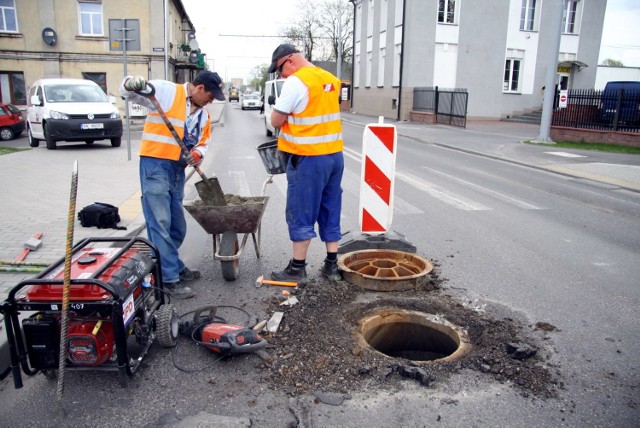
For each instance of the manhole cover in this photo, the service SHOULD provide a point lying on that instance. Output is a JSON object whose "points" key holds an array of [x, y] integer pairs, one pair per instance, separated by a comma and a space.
{"points": [[384, 270], [415, 336]]}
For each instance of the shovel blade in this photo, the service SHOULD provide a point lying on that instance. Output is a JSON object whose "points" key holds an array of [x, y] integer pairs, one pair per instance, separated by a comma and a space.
{"points": [[210, 192]]}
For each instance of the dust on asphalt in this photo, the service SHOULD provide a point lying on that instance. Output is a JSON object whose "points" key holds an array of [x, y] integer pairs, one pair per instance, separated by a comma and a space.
{"points": [[315, 349]]}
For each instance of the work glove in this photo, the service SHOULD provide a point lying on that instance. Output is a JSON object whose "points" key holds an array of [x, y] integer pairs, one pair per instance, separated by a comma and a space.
{"points": [[135, 83], [195, 158]]}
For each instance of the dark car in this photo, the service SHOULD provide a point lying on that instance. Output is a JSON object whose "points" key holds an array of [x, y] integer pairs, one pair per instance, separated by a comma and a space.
{"points": [[234, 95], [11, 122], [621, 101]]}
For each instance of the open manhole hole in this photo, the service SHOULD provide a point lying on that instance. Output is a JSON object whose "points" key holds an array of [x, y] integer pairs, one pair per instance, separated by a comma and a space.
{"points": [[384, 270], [415, 336]]}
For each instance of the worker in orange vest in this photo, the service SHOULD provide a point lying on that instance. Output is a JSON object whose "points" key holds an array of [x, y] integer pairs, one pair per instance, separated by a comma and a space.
{"points": [[308, 115], [162, 163]]}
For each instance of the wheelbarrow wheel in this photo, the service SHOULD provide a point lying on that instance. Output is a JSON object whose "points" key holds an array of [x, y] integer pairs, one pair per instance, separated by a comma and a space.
{"points": [[229, 247]]}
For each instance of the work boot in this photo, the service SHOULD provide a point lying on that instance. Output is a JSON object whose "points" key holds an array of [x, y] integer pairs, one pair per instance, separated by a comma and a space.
{"points": [[330, 270], [290, 273], [178, 290], [187, 274]]}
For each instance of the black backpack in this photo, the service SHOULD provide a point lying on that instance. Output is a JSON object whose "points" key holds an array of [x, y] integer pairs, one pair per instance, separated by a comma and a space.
{"points": [[101, 215]]}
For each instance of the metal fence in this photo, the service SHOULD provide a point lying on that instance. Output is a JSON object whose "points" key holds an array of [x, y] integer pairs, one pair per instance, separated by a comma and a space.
{"points": [[449, 105], [617, 110]]}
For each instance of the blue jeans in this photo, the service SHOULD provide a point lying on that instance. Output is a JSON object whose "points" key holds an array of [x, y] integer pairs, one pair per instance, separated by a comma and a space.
{"points": [[162, 184], [314, 196]]}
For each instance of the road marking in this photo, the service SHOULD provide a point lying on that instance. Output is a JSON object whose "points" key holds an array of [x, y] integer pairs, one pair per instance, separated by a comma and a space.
{"points": [[437, 192], [500, 196], [431, 189], [565, 155], [351, 182], [239, 183]]}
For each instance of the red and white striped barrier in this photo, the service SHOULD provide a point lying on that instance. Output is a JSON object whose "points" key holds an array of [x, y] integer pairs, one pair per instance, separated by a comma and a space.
{"points": [[378, 171]]}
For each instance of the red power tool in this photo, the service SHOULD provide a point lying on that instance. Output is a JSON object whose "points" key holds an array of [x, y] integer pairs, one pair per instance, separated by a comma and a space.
{"points": [[226, 339]]}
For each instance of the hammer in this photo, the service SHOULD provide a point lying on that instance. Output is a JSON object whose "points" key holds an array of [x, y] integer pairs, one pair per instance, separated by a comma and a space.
{"points": [[261, 281]]}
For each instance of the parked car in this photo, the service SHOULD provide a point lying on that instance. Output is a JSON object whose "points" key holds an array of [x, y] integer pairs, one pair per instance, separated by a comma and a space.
{"points": [[272, 90], [11, 122], [251, 101], [71, 110], [626, 95], [234, 95]]}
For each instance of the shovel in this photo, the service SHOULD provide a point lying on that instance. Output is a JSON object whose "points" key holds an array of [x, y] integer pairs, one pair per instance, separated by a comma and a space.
{"points": [[209, 188]]}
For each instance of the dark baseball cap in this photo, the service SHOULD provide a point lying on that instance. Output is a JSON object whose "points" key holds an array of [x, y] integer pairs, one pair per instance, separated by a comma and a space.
{"points": [[280, 52], [212, 82]]}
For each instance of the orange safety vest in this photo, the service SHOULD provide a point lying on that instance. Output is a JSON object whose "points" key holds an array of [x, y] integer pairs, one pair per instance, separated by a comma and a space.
{"points": [[157, 139], [318, 129]]}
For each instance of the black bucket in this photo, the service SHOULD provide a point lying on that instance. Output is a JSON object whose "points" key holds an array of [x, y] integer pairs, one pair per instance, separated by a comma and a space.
{"points": [[274, 160]]}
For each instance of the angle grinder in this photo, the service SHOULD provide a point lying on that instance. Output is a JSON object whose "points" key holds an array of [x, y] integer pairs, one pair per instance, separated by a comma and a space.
{"points": [[227, 339]]}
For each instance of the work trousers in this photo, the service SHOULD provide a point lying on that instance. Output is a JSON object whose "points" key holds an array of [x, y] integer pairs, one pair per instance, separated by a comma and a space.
{"points": [[314, 195], [162, 184]]}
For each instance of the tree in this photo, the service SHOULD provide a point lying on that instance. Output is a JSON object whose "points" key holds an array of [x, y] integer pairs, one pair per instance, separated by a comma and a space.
{"points": [[612, 62], [259, 76], [337, 27], [323, 27]]}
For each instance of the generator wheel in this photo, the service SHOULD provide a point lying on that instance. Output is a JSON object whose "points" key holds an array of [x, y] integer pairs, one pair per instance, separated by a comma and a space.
{"points": [[167, 326], [229, 247]]}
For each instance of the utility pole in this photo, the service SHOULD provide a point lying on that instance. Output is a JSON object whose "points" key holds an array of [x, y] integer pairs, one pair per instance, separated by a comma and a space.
{"points": [[339, 59], [550, 80]]}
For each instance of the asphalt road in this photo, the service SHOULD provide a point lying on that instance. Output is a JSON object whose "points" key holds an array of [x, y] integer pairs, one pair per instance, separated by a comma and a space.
{"points": [[514, 241]]}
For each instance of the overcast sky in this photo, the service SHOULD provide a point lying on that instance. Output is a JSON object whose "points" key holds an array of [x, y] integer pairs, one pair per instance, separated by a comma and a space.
{"points": [[220, 25]]}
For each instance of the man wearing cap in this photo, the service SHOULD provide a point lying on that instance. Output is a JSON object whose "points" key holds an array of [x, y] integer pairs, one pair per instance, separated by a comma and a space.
{"points": [[308, 115], [162, 163]]}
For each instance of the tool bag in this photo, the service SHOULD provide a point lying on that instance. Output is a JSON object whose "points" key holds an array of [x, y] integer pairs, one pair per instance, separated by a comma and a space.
{"points": [[101, 215]]}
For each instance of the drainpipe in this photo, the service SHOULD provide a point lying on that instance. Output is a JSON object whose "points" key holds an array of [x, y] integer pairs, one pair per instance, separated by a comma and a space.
{"points": [[404, 26]]}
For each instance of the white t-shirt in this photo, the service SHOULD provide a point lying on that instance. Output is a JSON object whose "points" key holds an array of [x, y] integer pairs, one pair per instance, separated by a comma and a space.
{"points": [[294, 96]]}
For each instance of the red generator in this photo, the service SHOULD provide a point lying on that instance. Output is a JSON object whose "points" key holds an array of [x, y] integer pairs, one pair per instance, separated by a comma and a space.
{"points": [[117, 309]]}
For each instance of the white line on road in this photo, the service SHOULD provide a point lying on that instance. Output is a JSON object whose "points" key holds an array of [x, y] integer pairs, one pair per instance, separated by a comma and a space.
{"points": [[565, 155], [497, 195]]}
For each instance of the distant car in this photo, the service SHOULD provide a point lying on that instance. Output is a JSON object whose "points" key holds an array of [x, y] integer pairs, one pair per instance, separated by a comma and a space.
{"points": [[11, 122], [251, 102], [234, 95], [71, 110]]}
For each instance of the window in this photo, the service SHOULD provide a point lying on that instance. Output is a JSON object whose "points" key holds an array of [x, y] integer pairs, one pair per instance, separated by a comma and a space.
{"points": [[99, 78], [511, 76], [384, 6], [90, 15], [370, 19], [367, 75], [569, 16], [8, 20], [381, 67], [356, 68], [12, 88], [527, 15], [446, 11]]}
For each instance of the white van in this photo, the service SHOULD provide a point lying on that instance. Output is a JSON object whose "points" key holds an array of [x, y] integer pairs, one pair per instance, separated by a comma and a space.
{"points": [[272, 88], [71, 110]]}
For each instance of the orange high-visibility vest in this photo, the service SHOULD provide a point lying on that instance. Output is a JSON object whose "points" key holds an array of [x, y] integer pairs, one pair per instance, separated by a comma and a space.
{"points": [[318, 129], [157, 139]]}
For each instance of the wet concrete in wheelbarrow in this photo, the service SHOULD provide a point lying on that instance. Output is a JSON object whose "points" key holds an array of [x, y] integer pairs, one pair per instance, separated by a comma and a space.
{"points": [[316, 350]]}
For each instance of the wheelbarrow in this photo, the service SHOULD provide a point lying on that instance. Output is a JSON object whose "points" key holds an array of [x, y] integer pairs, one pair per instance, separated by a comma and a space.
{"points": [[225, 222]]}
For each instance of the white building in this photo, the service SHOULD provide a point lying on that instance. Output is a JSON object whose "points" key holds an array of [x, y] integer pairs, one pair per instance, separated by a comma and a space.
{"points": [[496, 49]]}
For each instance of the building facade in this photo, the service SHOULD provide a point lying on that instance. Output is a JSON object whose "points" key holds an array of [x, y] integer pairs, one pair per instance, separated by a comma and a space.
{"points": [[497, 50], [84, 39]]}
